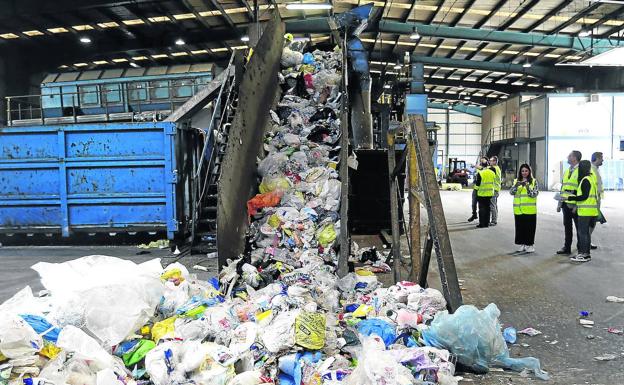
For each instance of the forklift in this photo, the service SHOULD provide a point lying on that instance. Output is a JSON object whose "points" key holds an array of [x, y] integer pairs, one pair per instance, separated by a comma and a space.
{"points": [[457, 172]]}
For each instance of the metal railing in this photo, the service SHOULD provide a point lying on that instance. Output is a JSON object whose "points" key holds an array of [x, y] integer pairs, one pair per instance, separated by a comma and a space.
{"points": [[73, 105], [505, 132], [509, 131]]}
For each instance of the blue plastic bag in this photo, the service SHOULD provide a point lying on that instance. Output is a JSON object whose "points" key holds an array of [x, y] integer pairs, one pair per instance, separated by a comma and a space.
{"points": [[41, 325], [308, 58], [475, 337], [379, 327]]}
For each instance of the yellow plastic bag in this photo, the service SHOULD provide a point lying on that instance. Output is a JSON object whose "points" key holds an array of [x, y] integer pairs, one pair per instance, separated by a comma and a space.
{"points": [[174, 275], [163, 328], [362, 311], [310, 330], [50, 350], [274, 221], [272, 184], [326, 235]]}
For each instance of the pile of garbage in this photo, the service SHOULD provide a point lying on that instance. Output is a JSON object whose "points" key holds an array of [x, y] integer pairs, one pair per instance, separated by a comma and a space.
{"points": [[278, 314]]}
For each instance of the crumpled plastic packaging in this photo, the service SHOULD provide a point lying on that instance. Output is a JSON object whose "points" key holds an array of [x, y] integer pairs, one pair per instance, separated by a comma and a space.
{"points": [[17, 337], [475, 337], [86, 292]]}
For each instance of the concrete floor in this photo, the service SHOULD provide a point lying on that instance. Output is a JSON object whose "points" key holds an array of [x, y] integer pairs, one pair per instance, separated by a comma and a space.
{"points": [[542, 290]]}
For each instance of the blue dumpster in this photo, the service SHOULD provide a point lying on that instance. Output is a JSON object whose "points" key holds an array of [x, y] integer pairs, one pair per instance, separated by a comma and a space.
{"points": [[113, 177]]}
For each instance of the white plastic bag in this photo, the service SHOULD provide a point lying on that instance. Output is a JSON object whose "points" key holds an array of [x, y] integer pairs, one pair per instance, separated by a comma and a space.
{"points": [[73, 340], [280, 333], [17, 338], [110, 297]]}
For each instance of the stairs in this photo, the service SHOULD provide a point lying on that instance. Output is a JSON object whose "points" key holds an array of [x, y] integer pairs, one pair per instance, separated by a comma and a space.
{"points": [[204, 237]]}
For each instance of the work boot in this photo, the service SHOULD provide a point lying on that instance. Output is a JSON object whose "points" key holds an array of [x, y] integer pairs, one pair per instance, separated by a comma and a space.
{"points": [[564, 251], [472, 218]]}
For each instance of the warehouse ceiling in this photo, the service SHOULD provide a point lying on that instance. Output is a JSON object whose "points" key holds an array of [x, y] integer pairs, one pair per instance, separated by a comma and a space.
{"points": [[458, 37]]}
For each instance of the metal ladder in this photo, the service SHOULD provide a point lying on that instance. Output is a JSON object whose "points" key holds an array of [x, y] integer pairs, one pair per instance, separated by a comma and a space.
{"points": [[205, 214]]}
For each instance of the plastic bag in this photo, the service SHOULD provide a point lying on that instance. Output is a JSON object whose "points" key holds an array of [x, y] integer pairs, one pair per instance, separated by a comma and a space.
{"points": [[326, 234], [310, 330], [42, 327], [110, 297], [164, 329], [139, 352], [73, 340], [271, 184], [270, 199], [475, 337], [272, 163], [163, 363], [279, 334], [379, 327], [376, 366], [427, 302], [17, 338]]}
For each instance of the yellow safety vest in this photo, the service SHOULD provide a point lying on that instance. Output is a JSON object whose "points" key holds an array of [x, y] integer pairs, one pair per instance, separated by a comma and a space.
{"points": [[569, 184], [497, 179], [486, 188], [523, 203], [588, 207]]}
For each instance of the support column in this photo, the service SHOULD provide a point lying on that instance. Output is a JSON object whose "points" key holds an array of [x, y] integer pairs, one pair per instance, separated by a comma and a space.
{"points": [[414, 212]]}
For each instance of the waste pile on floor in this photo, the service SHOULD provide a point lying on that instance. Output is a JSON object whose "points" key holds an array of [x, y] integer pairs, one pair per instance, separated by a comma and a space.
{"points": [[279, 314]]}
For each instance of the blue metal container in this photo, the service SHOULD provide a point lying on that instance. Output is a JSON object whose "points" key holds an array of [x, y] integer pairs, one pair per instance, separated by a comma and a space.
{"points": [[113, 177]]}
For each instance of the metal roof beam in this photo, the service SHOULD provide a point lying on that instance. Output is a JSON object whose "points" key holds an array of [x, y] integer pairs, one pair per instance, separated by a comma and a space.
{"points": [[14, 8], [320, 25], [592, 7], [521, 38], [558, 75], [470, 110], [460, 98]]}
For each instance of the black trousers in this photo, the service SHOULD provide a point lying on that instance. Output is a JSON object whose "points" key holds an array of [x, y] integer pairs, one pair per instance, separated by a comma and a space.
{"points": [[525, 229], [569, 218], [474, 202], [484, 211], [583, 232]]}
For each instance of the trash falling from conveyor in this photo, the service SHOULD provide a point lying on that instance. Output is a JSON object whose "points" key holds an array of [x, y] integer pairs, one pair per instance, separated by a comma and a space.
{"points": [[279, 314]]}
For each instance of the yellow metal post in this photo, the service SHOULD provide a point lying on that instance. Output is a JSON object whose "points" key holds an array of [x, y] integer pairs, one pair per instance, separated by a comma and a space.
{"points": [[414, 211]]}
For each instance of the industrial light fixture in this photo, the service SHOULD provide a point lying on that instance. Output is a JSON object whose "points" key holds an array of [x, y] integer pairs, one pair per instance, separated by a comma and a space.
{"points": [[450, 106], [180, 42], [467, 97], [85, 40], [584, 33], [415, 35], [526, 65], [133, 64], [245, 38], [397, 66], [618, 2], [306, 6]]}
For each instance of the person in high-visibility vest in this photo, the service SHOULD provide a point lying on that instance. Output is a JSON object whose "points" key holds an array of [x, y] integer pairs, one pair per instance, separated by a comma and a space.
{"points": [[498, 181], [483, 163], [485, 192], [569, 185], [525, 190], [586, 200], [597, 159]]}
